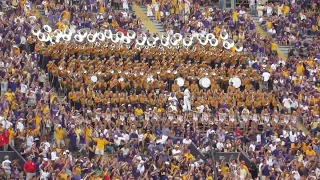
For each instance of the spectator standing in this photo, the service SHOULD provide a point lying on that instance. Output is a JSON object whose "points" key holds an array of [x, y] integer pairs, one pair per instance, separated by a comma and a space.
{"points": [[29, 168]]}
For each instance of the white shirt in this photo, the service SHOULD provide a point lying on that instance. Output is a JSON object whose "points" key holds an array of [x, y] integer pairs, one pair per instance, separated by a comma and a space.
{"points": [[287, 102], [23, 40], [186, 93], [30, 141], [220, 145], [23, 88], [266, 76], [292, 137], [176, 153], [6, 164], [20, 126], [44, 175], [187, 141], [156, 6]]}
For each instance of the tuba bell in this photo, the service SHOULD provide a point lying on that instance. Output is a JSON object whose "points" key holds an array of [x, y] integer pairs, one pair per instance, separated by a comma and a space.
{"points": [[101, 36], [35, 31], [165, 42], [67, 32], [114, 38], [54, 40], [187, 42], [140, 41], [203, 40], [47, 28], [131, 34], [83, 33], [239, 47], [224, 35], [165, 36], [108, 34], [173, 41], [178, 37], [210, 36], [91, 38], [214, 42], [78, 38], [120, 35], [57, 33], [228, 44], [188, 35], [151, 41], [126, 40]]}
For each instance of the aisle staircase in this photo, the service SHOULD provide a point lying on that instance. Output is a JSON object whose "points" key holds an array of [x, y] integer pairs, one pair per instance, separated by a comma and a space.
{"points": [[148, 24], [283, 51], [157, 24]]}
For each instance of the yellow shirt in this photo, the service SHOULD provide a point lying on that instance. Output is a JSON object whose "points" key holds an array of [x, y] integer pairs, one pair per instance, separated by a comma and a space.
{"points": [[59, 134], [300, 69], [139, 111], [38, 120], [188, 156], [286, 9], [234, 15], [11, 133], [88, 133], [9, 96], [173, 167], [60, 25], [100, 143], [224, 170], [63, 176], [268, 25], [273, 46], [66, 15], [311, 152]]}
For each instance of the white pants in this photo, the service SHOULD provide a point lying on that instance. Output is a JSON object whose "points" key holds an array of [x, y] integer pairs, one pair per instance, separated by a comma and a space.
{"points": [[187, 103], [30, 176]]}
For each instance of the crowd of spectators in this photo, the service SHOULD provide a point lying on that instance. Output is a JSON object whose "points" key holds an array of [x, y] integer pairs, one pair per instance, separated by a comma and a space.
{"points": [[136, 130]]}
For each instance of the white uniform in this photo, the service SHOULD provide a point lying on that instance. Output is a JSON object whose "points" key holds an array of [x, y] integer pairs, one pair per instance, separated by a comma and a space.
{"points": [[186, 100]]}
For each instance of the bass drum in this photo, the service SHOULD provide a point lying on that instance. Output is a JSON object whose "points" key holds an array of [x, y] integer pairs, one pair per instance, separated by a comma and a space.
{"points": [[204, 82], [180, 81]]}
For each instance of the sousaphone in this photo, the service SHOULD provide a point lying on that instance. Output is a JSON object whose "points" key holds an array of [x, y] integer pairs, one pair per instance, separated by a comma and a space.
{"points": [[239, 47], [83, 33], [151, 41], [47, 28], [214, 42], [101, 36], [108, 34], [114, 38], [178, 37], [35, 31], [78, 38], [187, 42], [203, 40], [120, 35], [131, 34], [91, 38], [224, 35], [228, 44], [140, 41]]}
